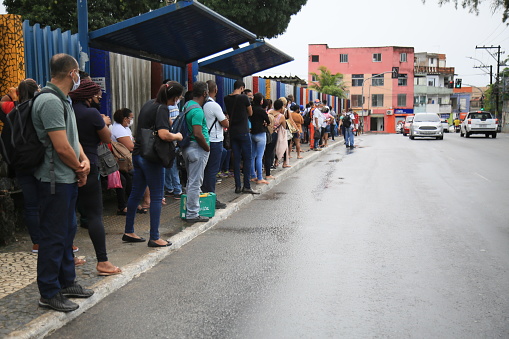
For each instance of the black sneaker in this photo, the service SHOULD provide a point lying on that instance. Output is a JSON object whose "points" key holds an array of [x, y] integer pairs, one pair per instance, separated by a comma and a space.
{"points": [[76, 291], [59, 303], [220, 205], [250, 191], [198, 219], [238, 190]]}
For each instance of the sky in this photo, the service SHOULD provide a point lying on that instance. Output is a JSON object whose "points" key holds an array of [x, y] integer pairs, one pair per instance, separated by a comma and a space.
{"points": [[407, 23]]}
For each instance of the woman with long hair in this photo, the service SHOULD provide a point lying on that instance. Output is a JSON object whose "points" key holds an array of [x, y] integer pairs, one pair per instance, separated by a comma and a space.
{"points": [[153, 115]]}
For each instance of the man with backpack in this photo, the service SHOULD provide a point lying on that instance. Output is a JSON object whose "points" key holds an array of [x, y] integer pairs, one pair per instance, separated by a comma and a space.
{"points": [[196, 154], [216, 120], [64, 168], [348, 121]]}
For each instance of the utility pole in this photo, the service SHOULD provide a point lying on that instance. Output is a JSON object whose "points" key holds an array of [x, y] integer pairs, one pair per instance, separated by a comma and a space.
{"points": [[491, 72], [497, 80]]}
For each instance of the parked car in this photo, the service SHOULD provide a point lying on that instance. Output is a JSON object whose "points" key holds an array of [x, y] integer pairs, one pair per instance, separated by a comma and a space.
{"points": [[445, 125], [479, 122], [406, 126], [426, 125]]}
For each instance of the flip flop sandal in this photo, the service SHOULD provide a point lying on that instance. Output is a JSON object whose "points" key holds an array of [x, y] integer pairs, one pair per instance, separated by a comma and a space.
{"points": [[105, 273]]}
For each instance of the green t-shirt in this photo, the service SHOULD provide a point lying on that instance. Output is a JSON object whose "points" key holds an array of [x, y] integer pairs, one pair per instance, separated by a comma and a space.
{"points": [[48, 116], [196, 116]]}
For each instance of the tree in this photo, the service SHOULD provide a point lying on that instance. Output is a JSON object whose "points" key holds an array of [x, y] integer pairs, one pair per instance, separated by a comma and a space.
{"points": [[265, 18], [63, 13], [473, 6], [329, 83], [490, 95]]}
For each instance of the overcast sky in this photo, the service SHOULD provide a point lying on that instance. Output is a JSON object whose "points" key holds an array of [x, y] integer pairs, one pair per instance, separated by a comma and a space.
{"points": [[409, 23]]}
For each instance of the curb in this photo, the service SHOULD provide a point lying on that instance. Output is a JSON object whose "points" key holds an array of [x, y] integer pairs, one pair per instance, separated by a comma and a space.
{"points": [[53, 320]]}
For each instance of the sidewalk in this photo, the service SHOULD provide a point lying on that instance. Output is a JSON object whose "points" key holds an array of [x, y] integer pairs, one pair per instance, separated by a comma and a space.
{"points": [[20, 315]]}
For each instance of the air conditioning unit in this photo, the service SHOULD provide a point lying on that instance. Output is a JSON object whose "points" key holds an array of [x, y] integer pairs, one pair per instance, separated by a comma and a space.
{"points": [[389, 112]]}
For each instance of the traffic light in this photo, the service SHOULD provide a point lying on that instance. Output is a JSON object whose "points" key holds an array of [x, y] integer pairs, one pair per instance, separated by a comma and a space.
{"points": [[450, 84], [395, 72], [458, 83]]}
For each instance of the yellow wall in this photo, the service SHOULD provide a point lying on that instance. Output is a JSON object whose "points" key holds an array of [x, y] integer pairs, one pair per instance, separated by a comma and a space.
{"points": [[12, 53]]}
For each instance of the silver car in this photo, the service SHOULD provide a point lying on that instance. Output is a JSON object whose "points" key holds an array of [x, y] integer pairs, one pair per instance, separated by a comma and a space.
{"points": [[426, 125]]}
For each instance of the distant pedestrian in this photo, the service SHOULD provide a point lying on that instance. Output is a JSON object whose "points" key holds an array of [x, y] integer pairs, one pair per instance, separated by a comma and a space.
{"points": [[259, 120], [348, 124]]}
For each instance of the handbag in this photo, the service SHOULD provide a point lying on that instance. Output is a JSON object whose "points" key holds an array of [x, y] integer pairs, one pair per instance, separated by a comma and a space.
{"points": [[268, 135], [291, 126], [114, 180], [122, 155], [107, 162], [154, 149], [226, 141]]}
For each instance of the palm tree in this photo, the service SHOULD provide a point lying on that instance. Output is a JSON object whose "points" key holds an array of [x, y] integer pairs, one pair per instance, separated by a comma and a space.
{"points": [[329, 83]]}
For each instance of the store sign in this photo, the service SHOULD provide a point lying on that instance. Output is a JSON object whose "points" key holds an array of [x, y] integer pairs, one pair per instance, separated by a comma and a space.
{"points": [[403, 111]]}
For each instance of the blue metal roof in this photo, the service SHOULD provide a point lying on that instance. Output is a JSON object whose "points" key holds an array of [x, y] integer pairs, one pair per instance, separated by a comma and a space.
{"points": [[245, 61], [177, 34]]}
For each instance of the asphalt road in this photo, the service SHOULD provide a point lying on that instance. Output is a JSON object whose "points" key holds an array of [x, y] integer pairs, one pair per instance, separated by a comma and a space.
{"points": [[395, 239]]}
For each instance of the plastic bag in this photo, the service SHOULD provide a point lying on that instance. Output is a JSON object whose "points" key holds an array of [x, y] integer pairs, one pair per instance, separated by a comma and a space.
{"points": [[114, 180]]}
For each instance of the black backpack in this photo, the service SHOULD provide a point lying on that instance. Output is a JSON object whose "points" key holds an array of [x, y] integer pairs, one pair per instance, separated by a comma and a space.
{"points": [[307, 117], [180, 126], [347, 121], [20, 146]]}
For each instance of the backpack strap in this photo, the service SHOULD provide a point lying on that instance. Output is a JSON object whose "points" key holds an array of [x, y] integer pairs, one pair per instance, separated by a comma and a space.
{"points": [[48, 143]]}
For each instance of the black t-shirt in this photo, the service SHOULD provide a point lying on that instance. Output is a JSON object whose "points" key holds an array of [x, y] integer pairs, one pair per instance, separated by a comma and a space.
{"points": [[152, 115], [259, 116], [89, 121], [236, 107]]}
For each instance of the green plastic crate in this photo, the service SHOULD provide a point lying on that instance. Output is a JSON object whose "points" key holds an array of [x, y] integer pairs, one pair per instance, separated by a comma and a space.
{"points": [[207, 205]]}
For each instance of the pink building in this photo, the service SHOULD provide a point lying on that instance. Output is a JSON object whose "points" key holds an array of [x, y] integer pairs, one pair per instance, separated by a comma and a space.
{"points": [[386, 100]]}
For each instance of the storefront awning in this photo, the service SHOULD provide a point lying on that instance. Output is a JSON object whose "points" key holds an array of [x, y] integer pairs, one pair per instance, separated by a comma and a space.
{"points": [[177, 34], [256, 57]]}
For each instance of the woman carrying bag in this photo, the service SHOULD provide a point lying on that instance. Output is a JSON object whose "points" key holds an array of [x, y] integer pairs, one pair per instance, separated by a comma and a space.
{"points": [[153, 115]]}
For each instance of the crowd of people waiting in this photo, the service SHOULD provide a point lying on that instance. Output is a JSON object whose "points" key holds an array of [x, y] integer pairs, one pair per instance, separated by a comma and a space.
{"points": [[254, 134]]}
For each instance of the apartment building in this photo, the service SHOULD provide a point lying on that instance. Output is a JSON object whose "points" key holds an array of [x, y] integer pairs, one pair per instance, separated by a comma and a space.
{"points": [[433, 84], [380, 100]]}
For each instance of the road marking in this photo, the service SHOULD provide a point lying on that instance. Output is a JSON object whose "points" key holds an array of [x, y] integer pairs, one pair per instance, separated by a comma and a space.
{"points": [[482, 177]]}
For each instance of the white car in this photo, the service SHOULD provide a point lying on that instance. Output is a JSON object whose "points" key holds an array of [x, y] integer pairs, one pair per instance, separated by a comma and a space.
{"points": [[479, 122], [426, 125]]}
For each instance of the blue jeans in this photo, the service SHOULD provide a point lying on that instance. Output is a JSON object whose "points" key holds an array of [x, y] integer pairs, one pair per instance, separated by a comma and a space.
{"points": [[28, 185], [172, 179], [149, 174], [212, 168], [225, 159], [258, 142], [241, 145], [55, 262], [196, 160], [349, 136]]}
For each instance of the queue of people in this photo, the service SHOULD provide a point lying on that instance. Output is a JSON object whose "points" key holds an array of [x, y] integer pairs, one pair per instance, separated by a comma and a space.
{"points": [[255, 134]]}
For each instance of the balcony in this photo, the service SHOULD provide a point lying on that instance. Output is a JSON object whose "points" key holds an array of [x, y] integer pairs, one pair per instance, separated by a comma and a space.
{"points": [[423, 70], [429, 90]]}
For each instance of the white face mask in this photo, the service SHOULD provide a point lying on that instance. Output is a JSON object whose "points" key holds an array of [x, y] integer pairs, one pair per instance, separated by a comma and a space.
{"points": [[130, 122], [177, 102], [75, 84]]}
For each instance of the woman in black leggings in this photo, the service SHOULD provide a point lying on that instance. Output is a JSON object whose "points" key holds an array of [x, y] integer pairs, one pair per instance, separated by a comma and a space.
{"points": [[92, 129]]}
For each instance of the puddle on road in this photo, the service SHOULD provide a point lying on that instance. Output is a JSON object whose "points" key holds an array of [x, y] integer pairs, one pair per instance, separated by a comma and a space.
{"points": [[271, 196]]}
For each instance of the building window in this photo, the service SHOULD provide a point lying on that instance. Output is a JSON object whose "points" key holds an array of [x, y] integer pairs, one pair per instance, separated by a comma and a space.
{"points": [[402, 57], [431, 82], [401, 100], [431, 61], [315, 58], [377, 57], [420, 100], [357, 80], [402, 80], [343, 58], [377, 80], [356, 100], [314, 78], [377, 100]]}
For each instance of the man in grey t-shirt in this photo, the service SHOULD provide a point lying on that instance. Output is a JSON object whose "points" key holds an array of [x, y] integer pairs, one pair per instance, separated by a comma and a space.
{"points": [[65, 167]]}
